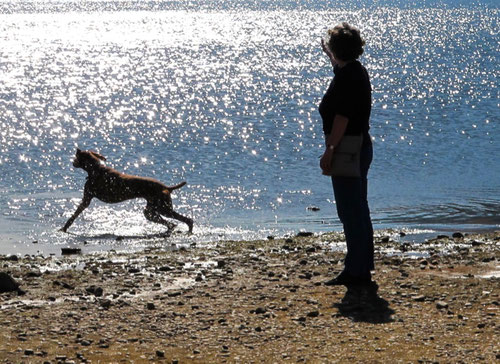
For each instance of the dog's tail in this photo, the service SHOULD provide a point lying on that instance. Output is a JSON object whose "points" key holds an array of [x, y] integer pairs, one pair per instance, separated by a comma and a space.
{"points": [[172, 188]]}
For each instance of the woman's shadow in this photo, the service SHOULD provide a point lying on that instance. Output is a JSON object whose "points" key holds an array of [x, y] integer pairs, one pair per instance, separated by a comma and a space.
{"points": [[363, 304]]}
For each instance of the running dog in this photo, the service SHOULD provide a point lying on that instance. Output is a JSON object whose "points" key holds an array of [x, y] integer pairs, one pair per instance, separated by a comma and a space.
{"points": [[111, 186]]}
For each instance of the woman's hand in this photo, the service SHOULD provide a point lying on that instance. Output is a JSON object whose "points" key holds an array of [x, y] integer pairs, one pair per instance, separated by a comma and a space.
{"points": [[328, 52], [326, 162], [324, 47]]}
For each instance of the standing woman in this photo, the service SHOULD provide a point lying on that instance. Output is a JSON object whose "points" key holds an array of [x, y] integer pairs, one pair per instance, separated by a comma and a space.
{"points": [[345, 110]]}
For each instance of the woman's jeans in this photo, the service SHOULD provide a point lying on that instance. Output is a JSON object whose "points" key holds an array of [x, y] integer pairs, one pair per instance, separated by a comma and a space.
{"points": [[352, 208]]}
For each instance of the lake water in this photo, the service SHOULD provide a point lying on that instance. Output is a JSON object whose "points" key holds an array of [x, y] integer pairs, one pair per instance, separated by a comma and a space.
{"points": [[224, 95]]}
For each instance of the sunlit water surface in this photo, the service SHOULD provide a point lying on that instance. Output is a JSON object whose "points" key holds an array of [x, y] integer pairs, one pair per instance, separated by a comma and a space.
{"points": [[224, 95]]}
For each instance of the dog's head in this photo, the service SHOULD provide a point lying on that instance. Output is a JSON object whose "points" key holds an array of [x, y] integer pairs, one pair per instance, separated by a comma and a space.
{"points": [[85, 158]]}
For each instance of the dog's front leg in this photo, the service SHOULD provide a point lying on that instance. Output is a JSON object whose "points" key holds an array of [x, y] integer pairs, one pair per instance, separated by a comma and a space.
{"points": [[83, 205]]}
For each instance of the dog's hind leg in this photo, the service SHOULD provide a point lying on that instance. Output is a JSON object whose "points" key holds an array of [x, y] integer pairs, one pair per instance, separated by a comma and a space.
{"points": [[151, 213], [174, 215], [166, 208], [184, 219]]}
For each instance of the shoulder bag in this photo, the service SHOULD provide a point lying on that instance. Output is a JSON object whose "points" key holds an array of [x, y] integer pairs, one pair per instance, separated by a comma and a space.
{"points": [[346, 157]]}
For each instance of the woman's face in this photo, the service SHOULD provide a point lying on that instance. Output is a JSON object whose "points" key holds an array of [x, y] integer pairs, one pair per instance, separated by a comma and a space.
{"points": [[336, 59]]}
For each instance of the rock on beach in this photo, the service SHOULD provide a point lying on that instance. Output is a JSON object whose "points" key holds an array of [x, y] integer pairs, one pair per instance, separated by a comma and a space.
{"points": [[8, 284]]}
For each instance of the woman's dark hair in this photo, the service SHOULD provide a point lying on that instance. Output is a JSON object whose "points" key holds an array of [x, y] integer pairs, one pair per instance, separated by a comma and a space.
{"points": [[345, 42]]}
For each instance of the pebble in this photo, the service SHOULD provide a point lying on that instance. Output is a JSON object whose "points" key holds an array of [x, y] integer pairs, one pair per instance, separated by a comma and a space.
{"points": [[70, 251], [313, 208], [441, 304], [33, 274], [63, 285], [313, 314], [160, 354], [150, 306], [105, 304], [96, 291], [260, 310], [305, 276]]}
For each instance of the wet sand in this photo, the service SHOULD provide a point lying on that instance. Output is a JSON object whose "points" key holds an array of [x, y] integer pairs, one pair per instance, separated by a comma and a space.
{"points": [[260, 301]]}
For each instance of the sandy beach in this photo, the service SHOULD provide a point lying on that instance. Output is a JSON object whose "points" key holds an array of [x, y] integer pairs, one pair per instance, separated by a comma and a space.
{"points": [[261, 301]]}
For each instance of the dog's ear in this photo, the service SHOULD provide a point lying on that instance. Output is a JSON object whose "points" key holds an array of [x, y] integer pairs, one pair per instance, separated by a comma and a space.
{"points": [[98, 156], [78, 150]]}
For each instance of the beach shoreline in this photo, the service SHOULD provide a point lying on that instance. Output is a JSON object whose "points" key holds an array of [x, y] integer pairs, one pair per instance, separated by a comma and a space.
{"points": [[257, 301], [48, 243]]}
